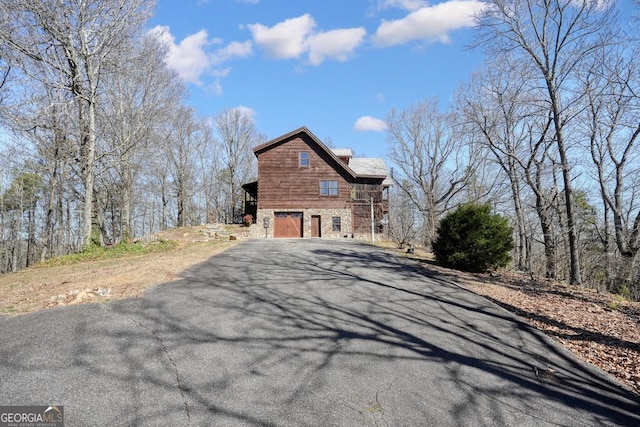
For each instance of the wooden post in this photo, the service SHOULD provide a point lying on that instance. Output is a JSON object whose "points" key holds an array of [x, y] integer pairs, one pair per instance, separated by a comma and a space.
{"points": [[373, 237]]}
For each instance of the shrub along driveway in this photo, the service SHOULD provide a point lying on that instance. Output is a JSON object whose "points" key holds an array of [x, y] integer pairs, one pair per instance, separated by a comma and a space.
{"points": [[302, 332]]}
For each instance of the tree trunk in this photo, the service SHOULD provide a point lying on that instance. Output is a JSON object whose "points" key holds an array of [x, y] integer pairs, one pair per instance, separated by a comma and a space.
{"points": [[523, 256], [549, 241], [575, 277]]}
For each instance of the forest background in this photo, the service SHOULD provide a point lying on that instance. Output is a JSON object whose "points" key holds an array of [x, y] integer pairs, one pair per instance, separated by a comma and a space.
{"points": [[100, 146]]}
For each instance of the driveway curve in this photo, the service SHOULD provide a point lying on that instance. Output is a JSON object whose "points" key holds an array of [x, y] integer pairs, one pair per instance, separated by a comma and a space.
{"points": [[302, 333]]}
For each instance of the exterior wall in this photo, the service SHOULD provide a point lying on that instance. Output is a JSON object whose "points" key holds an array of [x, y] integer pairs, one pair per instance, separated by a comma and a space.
{"points": [[284, 185], [326, 216], [326, 222]]}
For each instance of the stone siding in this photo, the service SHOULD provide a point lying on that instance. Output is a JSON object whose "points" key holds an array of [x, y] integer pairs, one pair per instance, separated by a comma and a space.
{"points": [[326, 222]]}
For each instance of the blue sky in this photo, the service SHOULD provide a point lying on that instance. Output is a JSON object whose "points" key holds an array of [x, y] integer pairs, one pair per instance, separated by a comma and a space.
{"points": [[335, 66]]}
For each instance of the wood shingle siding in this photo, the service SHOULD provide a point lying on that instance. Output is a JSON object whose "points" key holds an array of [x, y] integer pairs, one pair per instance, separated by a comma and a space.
{"points": [[284, 184], [304, 189]]}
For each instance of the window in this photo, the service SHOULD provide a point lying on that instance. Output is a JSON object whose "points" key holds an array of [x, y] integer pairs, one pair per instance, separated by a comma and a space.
{"points": [[335, 223], [328, 188], [303, 157]]}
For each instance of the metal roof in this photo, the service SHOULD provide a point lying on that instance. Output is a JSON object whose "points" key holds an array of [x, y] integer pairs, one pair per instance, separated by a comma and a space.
{"points": [[342, 152], [368, 166]]}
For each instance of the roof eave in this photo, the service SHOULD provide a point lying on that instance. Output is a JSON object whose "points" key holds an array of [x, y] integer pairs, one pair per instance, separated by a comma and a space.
{"points": [[274, 141], [372, 176]]}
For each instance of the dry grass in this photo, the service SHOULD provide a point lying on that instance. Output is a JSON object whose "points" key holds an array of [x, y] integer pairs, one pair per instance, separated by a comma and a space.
{"points": [[37, 288]]}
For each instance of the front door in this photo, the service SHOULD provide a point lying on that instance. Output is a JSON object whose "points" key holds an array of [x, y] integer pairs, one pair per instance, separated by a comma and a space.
{"points": [[315, 226]]}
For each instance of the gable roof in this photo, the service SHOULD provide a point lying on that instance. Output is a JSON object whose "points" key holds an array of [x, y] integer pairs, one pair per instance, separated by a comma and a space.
{"points": [[367, 168]]}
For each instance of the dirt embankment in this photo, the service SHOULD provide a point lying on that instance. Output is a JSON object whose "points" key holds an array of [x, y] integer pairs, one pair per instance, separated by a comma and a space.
{"points": [[36, 288]]}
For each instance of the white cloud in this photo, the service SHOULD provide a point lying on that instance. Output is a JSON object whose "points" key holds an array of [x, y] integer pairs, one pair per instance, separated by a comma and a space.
{"points": [[188, 57], [429, 23], [403, 4], [246, 111], [599, 4], [192, 60], [295, 37], [335, 44], [218, 75], [232, 50], [285, 40], [202, 2], [222, 72], [368, 123], [163, 34]]}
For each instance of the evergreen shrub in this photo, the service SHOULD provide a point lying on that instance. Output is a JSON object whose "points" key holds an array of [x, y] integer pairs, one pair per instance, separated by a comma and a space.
{"points": [[472, 238]]}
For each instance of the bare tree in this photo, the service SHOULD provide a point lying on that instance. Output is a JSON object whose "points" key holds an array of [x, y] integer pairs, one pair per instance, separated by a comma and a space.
{"points": [[403, 227], [182, 147], [99, 116], [21, 200], [46, 128], [5, 65], [73, 40], [431, 159], [39, 118], [140, 91], [556, 37], [501, 103], [612, 89], [5, 70], [493, 104], [210, 160], [237, 134]]}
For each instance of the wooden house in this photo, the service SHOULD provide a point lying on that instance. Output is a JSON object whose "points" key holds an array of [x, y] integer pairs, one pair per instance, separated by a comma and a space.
{"points": [[305, 189]]}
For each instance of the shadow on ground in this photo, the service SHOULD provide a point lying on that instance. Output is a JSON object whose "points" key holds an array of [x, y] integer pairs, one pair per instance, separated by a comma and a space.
{"points": [[311, 333]]}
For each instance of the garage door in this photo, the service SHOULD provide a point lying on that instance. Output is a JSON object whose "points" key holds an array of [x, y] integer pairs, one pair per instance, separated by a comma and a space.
{"points": [[287, 224]]}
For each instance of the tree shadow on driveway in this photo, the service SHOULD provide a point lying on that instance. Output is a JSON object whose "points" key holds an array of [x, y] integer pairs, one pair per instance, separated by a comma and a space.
{"points": [[340, 333], [321, 332]]}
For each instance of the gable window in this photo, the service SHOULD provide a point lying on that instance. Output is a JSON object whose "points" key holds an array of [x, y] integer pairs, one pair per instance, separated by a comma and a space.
{"points": [[335, 223], [328, 188], [303, 157]]}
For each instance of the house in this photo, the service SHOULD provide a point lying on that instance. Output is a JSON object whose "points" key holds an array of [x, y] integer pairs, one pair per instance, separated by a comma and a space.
{"points": [[305, 189]]}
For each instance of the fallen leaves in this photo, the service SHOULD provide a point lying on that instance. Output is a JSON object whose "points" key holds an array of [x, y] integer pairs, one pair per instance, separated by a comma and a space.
{"points": [[597, 327]]}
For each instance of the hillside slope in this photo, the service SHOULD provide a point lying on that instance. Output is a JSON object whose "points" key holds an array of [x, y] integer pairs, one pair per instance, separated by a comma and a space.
{"points": [[600, 328], [36, 288]]}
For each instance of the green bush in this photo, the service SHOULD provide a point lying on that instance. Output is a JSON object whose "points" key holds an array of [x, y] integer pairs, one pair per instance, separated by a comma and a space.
{"points": [[473, 239]]}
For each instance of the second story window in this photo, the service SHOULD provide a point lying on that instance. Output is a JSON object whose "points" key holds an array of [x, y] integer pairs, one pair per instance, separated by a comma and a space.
{"points": [[328, 188], [303, 157]]}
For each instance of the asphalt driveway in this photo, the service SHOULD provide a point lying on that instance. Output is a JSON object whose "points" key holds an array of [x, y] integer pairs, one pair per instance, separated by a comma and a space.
{"points": [[302, 333]]}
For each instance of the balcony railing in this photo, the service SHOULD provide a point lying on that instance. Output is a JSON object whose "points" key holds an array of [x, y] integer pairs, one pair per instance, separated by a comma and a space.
{"points": [[364, 197]]}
